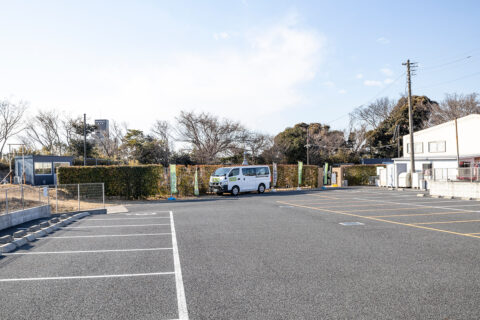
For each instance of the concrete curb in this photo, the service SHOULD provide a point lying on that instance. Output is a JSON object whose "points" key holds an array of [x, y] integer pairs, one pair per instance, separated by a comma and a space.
{"points": [[20, 238], [31, 237], [7, 247], [40, 233]]}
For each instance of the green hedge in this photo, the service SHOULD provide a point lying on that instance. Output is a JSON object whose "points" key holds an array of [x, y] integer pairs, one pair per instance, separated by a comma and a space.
{"points": [[153, 180], [359, 175]]}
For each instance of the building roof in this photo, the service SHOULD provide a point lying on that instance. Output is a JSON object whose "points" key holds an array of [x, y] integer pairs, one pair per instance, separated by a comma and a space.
{"points": [[446, 124]]}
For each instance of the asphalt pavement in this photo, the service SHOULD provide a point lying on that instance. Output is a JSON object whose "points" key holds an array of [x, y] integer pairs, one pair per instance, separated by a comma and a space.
{"points": [[355, 253]]}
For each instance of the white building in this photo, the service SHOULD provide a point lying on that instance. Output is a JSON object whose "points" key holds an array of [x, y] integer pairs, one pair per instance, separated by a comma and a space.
{"points": [[436, 148]]}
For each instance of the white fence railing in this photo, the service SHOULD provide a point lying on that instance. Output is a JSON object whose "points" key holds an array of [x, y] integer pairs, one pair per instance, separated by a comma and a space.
{"points": [[61, 198], [470, 174]]}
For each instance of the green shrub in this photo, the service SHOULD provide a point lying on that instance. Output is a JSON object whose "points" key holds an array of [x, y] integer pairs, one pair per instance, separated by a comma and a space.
{"points": [[359, 175], [143, 181]]}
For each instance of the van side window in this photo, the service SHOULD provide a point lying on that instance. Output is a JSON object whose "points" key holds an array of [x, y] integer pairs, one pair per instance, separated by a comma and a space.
{"points": [[234, 172], [262, 171], [248, 171]]}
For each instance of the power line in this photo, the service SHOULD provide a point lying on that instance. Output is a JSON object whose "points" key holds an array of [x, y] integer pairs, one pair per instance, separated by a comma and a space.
{"points": [[370, 100], [450, 81]]}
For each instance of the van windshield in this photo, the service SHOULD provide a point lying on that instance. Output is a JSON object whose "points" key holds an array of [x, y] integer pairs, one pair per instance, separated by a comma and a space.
{"points": [[221, 172]]}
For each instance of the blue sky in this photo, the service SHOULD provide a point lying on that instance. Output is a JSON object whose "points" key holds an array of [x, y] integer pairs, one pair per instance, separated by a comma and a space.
{"points": [[267, 64]]}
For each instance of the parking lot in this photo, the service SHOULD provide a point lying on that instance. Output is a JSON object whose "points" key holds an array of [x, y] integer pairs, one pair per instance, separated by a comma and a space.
{"points": [[356, 253]]}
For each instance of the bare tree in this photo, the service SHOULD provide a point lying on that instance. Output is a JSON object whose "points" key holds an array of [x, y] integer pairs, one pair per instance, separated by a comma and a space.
{"points": [[110, 145], [208, 136], [11, 115], [161, 131], [373, 114], [454, 106], [256, 143], [44, 129]]}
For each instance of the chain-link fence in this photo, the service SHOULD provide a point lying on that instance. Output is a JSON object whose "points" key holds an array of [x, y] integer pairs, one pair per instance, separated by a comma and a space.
{"points": [[76, 197], [21, 197], [61, 198]]}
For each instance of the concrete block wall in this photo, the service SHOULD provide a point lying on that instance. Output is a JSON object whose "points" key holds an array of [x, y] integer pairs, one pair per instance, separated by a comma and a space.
{"points": [[19, 217], [458, 189]]}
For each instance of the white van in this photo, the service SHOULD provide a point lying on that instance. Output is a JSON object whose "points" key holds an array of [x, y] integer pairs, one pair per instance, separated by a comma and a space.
{"points": [[240, 179]]}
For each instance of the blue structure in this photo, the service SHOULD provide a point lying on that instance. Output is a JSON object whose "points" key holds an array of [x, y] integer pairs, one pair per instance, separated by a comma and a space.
{"points": [[40, 170], [377, 161]]}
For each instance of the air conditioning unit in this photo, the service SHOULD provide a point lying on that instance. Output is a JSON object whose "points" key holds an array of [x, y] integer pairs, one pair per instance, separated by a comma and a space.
{"points": [[404, 180]]}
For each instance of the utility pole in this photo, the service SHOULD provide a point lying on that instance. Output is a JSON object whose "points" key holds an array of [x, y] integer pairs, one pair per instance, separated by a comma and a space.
{"points": [[410, 119], [84, 139]]}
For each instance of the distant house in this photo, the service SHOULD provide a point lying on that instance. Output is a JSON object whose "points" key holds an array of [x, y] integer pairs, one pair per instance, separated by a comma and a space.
{"points": [[436, 148], [39, 170]]}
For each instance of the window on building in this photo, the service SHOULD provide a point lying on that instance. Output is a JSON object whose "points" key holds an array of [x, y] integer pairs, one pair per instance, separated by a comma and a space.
{"points": [[436, 146], [43, 168], [418, 147]]}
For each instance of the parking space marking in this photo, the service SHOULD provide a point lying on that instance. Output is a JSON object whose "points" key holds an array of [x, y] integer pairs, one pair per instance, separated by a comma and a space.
{"points": [[90, 277], [383, 220], [119, 225], [84, 251], [421, 214], [424, 206], [442, 222], [391, 209], [108, 236], [119, 219], [181, 300]]}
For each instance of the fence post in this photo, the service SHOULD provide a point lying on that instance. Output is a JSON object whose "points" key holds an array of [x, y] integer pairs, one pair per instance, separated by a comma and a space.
{"points": [[6, 200], [103, 194], [56, 199], [78, 185], [23, 198]]}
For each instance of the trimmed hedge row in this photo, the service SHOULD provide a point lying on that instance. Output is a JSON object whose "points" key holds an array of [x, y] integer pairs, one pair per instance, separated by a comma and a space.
{"points": [[359, 175], [136, 182]]}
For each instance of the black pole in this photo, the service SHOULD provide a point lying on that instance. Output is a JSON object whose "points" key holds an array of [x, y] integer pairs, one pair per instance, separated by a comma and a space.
{"points": [[84, 139]]}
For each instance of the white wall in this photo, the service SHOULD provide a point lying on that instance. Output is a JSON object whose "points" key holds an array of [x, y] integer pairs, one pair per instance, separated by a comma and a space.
{"points": [[468, 132]]}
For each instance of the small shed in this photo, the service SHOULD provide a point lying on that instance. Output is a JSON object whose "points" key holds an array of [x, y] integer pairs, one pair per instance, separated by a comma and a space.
{"points": [[40, 170]]}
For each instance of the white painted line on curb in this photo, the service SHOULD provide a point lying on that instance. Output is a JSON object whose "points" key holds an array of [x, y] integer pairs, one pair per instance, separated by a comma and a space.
{"points": [[117, 226], [86, 251], [109, 235], [90, 277], [181, 300]]}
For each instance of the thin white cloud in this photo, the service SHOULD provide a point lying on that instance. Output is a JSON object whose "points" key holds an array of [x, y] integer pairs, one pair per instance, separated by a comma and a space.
{"points": [[388, 81], [359, 76], [329, 84], [342, 91], [386, 71], [264, 78], [372, 83], [383, 40], [221, 36]]}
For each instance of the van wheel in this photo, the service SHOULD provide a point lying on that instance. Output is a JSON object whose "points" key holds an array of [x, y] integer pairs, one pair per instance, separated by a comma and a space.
{"points": [[235, 191], [261, 188]]}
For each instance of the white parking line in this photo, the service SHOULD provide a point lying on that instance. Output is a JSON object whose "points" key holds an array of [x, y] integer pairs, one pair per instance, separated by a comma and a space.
{"points": [[108, 235], [84, 251], [95, 219], [181, 300], [117, 226], [90, 277]]}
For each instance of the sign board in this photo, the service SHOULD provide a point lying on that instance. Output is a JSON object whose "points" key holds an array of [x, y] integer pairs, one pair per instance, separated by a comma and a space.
{"points": [[275, 174], [195, 191], [173, 179], [300, 168]]}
